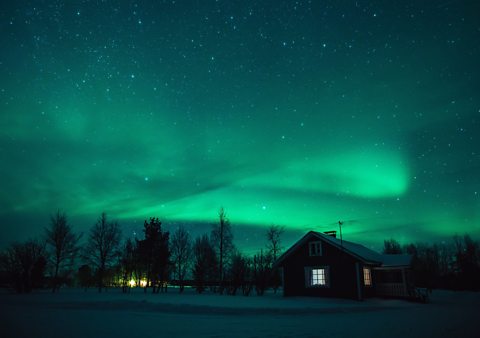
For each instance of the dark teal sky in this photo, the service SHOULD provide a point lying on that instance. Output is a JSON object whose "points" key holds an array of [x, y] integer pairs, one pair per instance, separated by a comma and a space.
{"points": [[299, 113]]}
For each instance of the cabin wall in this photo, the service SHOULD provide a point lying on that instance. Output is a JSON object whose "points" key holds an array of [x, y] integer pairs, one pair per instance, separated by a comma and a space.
{"points": [[342, 272]]}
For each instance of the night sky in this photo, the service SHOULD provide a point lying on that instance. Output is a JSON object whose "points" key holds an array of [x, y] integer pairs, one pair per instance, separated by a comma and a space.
{"points": [[297, 113]]}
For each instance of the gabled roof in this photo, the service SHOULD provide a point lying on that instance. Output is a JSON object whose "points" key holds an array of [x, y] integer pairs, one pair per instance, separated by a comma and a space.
{"points": [[358, 251]]}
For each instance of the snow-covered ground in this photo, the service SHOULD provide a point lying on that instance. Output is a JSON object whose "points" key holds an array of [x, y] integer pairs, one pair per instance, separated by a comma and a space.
{"points": [[75, 313]]}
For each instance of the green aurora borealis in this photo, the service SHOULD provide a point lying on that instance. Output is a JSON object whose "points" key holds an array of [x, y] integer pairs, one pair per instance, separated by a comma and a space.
{"points": [[299, 113]]}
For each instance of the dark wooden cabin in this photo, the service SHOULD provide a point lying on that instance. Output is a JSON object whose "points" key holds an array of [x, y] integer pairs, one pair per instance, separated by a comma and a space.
{"points": [[322, 265]]}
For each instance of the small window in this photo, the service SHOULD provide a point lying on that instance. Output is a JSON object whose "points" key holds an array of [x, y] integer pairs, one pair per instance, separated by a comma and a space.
{"points": [[315, 248], [367, 277], [316, 277]]}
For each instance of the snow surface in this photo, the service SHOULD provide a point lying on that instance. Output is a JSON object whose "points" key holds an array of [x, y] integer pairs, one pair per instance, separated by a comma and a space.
{"points": [[75, 313]]}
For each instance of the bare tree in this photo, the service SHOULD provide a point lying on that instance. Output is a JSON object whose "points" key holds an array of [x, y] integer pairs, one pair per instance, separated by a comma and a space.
{"points": [[181, 254], [261, 271], [103, 246], [128, 260], [273, 237], [84, 276], [222, 239], [24, 264], [62, 245], [240, 274], [205, 263], [468, 262], [274, 247]]}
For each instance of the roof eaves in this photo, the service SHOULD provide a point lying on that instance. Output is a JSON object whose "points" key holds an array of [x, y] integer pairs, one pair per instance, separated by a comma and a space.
{"points": [[291, 249]]}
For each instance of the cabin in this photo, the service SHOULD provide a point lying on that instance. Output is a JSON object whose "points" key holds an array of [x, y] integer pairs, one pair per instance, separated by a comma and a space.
{"points": [[322, 265]]}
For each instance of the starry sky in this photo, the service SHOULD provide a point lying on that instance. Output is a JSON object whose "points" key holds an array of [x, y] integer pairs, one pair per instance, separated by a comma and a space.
{"points": [[297, 113]]}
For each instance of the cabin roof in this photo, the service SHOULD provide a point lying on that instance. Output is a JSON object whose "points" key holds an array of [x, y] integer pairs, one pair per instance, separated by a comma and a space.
{"points": [[358, 251], [396, 260]]}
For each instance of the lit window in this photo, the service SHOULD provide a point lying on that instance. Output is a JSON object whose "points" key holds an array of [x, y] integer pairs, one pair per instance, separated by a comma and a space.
{"points": [[316, 276], [367, 277], [315, 248]]}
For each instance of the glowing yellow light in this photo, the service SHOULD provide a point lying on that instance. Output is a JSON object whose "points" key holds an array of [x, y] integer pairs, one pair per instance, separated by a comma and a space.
{"points": [[132, 283], [143, 283]]}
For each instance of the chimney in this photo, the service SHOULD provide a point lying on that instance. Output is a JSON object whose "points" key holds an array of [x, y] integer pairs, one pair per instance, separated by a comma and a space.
{"points": [[332, 233]]}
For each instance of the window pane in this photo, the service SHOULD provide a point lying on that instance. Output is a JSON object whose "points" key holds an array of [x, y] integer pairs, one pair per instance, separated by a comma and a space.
{"points": [[318, 277]]}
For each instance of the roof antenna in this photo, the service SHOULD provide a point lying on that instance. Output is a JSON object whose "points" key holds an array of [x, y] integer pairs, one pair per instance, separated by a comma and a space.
{"points": [[341, 237]]}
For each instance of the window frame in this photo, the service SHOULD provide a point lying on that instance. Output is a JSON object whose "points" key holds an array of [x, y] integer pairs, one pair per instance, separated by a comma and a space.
{"points": [[367, 277], [309, 276], [318, 248]]}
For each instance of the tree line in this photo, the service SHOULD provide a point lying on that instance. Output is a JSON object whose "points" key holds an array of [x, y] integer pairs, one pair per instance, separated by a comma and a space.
{"points": [[449, 265], [209, 262]]}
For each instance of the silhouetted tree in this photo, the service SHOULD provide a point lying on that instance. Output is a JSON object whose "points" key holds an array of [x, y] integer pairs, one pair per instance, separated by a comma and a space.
{"points": [[391, 246], [102, 248], [85, 276], [128, 261], [62, 245], [138, 265], [467, 262], [446, 265], [274, 246], [25, 265], [222, 239], [429, 264], [38, 272], [181, 254], [261, 271], [155, 254], [240, 274], [110, 275], [10, 266], [161, 267], [205, 263], [274, 241], [445, 258]]}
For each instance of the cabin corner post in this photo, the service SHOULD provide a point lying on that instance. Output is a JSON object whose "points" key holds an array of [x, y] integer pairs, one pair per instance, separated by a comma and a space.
{"points": [[404, 282], [359, 285]]}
